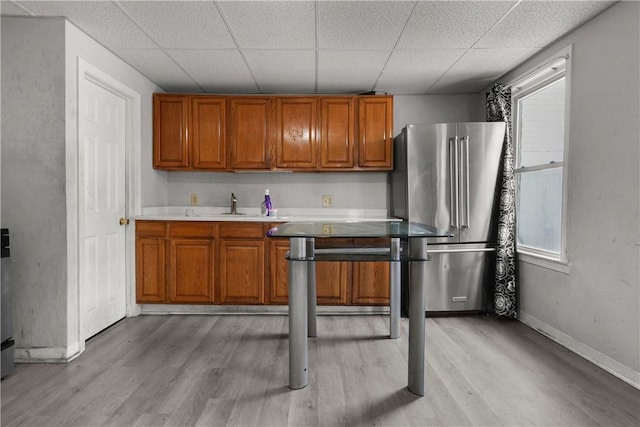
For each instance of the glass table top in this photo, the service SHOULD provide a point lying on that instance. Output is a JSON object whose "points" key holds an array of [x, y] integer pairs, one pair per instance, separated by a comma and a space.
{"points": [[355, 229]]}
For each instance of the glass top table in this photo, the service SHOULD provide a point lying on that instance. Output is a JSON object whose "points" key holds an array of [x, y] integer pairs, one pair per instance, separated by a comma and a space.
{"points": [[356, 229], [302, 287]]}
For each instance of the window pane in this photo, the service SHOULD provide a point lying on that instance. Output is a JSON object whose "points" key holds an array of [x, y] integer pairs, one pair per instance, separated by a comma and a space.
{"points": [[542, 126], [539, 209]]}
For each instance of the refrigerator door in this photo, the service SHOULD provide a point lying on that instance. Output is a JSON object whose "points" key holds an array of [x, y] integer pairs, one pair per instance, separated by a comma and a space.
{"points": [[480, 149], [457, 276], [432, 182]]}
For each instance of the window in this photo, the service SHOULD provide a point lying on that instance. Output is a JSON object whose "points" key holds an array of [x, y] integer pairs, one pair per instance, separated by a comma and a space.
{"points": [[540, 131]]}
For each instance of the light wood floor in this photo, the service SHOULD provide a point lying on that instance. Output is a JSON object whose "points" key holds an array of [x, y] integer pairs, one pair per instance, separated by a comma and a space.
{"points": [[232, 370]]}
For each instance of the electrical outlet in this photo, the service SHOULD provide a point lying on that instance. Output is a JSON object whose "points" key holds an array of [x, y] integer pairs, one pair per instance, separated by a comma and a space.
{"points": [[195, 199], [328, 229], [327, 201]]}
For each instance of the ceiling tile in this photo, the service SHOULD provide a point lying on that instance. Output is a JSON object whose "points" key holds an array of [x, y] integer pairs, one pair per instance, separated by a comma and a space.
{"points": [[271, 24], [349, 71], [102, 20], [283, 71], [236, 46], [457, 24], [216, 71], [181, 24], [538, 23], [361, 24], [478, 68], [8, 8], [160, 68], [415, 71]]}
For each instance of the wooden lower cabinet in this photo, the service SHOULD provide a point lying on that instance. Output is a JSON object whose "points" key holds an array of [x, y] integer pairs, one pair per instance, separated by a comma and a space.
{"points": [[337, 283], [241, 271], [370, 283], [332, 279], [183, 262], [279, 271], [150, 269], [191, 264]]}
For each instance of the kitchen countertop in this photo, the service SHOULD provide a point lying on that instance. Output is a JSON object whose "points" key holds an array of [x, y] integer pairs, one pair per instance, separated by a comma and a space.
{"points": [[201, 213]]}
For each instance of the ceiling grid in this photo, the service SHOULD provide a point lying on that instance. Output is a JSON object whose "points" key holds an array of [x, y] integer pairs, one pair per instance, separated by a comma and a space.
{"points": [[307, 46]]}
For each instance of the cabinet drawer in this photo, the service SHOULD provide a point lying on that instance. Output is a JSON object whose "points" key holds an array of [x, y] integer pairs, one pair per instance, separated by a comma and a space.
{"points": [[191, 229], [150, 228], [241, 230]]}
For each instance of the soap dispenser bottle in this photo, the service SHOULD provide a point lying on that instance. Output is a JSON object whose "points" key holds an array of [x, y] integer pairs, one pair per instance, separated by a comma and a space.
{"points": [[266, 205]]}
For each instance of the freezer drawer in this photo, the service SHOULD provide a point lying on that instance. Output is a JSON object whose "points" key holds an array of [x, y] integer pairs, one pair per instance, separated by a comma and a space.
{"points": [[459, 279]]}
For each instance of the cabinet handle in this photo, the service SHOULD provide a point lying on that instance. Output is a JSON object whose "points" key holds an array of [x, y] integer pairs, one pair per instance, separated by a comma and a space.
{"points": [[124, 221]]}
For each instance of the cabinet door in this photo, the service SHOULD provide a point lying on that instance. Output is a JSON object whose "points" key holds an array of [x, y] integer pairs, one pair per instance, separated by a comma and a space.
{"points": [[331, 282], [208, 132], [170, 143], [370, 283], [375, 137], [337, 121], [332, 278], [279, 272], [191, 278], [296, 132], [242, 271], [150, 270], [250, 132]]}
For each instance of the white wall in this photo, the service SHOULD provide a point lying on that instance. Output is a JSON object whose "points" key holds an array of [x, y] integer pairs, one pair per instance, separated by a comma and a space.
{"points": [[411, 109], [79, 45], [33, 177], [39, 173], [361, 190], [594, 309]]}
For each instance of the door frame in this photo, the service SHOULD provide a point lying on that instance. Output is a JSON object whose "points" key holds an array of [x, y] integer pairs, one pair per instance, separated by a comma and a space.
{"points": [[87, 73]]}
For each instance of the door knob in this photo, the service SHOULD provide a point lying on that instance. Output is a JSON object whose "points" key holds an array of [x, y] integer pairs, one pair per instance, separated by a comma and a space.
{"points": [[124, 221]]}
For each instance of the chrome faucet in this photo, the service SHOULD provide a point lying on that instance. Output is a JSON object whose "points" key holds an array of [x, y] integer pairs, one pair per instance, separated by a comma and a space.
{"points": [[234, 203]]}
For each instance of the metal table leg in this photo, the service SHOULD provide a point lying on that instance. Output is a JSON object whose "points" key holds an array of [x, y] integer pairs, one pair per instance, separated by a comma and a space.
{"points": [[417, 285], [311, 292], [298, 356], [394, 291]]}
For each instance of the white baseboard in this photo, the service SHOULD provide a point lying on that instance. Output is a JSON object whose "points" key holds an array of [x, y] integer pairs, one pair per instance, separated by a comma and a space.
{"points": [[46, 354], [256, 309], [610, 365]]}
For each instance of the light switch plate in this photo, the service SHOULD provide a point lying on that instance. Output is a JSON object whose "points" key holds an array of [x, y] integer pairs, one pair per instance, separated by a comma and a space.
{"points": [[327, 201], [195, 199]]}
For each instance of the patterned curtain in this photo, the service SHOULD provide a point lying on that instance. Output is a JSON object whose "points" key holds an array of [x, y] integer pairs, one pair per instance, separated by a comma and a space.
{"points": [[499, 110]]}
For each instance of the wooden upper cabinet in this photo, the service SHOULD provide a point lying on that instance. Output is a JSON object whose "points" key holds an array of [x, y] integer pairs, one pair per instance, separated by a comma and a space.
{"points": [[337, 134], [208, 132], [296, 132], [303, 133], [375, 139], [250, 132], [170, 137]]}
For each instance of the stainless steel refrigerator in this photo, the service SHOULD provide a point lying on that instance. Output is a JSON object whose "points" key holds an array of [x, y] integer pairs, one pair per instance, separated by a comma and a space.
{"points": [[446, 175]]}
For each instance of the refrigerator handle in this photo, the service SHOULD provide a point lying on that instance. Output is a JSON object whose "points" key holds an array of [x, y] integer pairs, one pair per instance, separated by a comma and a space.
{"points": [[453, 181], [464, 147]]}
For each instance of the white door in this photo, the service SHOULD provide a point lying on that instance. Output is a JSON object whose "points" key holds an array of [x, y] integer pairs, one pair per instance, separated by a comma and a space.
{"points": [[102, 204]]}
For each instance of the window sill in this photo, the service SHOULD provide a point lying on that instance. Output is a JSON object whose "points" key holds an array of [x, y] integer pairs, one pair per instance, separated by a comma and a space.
{"points": [[545, 262]]}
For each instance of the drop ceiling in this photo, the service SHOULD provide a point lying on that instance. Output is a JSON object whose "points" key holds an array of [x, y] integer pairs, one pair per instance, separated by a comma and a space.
{"points": [[398, 47]]}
